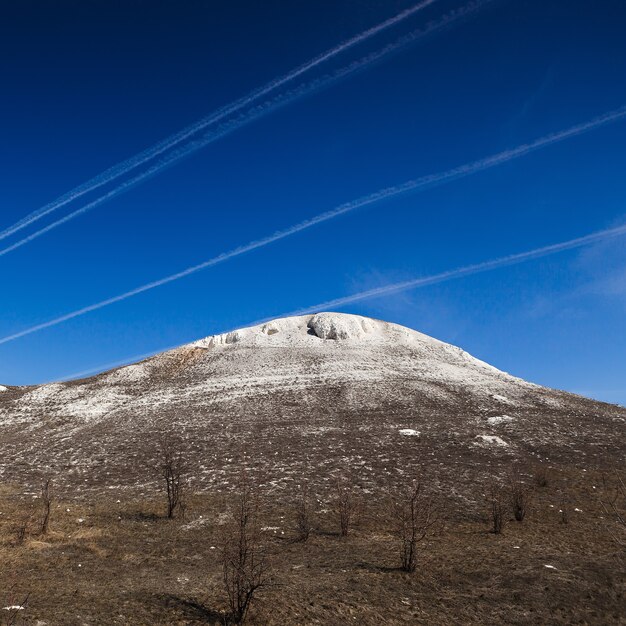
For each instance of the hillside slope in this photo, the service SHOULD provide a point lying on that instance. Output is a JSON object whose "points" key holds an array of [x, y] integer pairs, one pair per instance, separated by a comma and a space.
{"points": [[326, 390]]}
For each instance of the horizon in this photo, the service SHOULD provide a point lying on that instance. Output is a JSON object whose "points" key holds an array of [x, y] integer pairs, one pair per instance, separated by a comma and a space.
{"points": [[308, 200]]}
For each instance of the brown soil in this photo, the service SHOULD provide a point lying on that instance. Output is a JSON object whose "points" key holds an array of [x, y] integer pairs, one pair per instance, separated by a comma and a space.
{"points": [[126, 564]]}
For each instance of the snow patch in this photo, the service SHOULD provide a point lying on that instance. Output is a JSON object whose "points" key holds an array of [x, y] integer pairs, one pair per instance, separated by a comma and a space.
{"points": [[502, 399], [42, 394], [3, 388], [93, 404], [409, 432], [492, 440], [500, 419], [130, 374]]}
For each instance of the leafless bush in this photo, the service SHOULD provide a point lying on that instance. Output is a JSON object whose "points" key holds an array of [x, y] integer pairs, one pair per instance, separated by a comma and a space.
{"points": [[613, 502], [46, 503], [541, 476], [496, 508], [413, 517], [303, 517], [245, 565], [172, 468], [21, 530], [346, 504], [520, 495]]}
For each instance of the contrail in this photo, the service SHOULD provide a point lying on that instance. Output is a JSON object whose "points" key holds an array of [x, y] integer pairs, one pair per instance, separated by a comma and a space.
{"points": [[415, 283], [468, 270], [255, 113], [124, 167], [378, 196]]}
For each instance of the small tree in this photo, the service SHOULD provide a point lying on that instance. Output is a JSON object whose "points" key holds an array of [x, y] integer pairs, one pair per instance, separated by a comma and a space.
{"points": [[520, 495], [172, 468], [303, 522], [346, 505], [613, 503], [46, 503], [245, 565], [413, 517], [496, 508]]}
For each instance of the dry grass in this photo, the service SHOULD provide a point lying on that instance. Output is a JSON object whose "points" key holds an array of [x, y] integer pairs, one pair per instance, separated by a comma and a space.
{"points": [[126, 564]]}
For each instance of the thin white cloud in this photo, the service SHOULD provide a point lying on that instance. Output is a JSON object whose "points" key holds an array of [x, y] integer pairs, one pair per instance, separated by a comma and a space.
{"points": [[419, 282], [378, 196], [432, 180], [468, 270], [125, 167]]}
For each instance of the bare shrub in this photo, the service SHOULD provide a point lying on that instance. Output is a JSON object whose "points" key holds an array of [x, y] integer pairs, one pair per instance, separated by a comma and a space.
{"points": [[346, 505], [520, 496], [21, 530], [613, 503], [541, 476], [245, 564], [413, 515], [172, 468], [303, 517], [46, 503], [496, 508]]}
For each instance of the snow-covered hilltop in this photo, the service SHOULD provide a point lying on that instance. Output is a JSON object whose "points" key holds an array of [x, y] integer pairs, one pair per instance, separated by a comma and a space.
{"points": [[319, 380], [306, 331]]}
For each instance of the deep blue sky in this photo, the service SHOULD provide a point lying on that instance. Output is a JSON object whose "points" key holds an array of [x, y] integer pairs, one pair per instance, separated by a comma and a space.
{"points": [[86, 84]]}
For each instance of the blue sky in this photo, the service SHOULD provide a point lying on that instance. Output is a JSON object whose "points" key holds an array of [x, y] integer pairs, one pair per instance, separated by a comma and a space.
{"points": [[86, 85]]}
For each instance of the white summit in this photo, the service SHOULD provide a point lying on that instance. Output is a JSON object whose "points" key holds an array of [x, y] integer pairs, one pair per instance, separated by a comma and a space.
{"points": [[304, 358], [324, 389]]}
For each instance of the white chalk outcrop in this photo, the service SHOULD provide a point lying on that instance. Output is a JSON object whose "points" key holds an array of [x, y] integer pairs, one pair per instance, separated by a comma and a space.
{"points": [[336, 326], [378, 361]]}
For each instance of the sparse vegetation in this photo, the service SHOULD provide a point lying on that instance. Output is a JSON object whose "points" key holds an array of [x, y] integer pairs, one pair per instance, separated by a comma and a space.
{"points": [[496, 508], [162, 573], [346, 505], [46, 503], [413, 516], [245, 565], [541, 476], [172, 467], [303, 514], [613, 502], [520, 495], [21, 530]]}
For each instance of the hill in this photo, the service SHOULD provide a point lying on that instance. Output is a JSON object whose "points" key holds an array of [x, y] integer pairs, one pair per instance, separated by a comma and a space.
{"points": [[317, 400]]}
